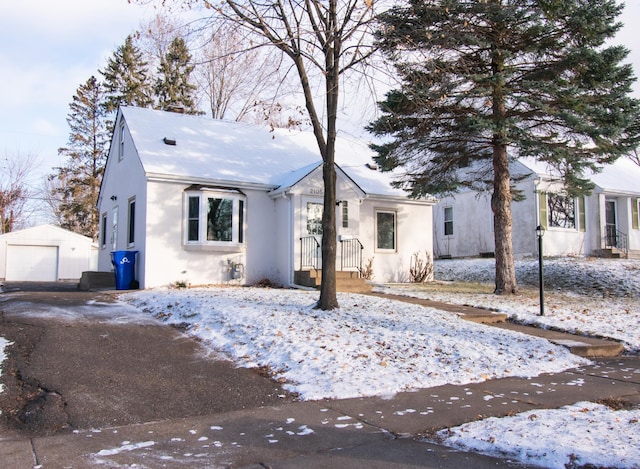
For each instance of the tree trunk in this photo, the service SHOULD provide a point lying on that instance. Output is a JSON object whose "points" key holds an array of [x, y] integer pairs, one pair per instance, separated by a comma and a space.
{"points": [[328, 297], [502, 225]]}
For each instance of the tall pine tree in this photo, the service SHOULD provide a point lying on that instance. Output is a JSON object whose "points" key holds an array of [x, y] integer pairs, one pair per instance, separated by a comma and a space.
{"points": [[173, 88], [485, 82], [126, 81], [79, 180]]}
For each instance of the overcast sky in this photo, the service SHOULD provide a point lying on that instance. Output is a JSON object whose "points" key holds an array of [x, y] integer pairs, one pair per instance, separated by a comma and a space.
{"points": [[49, 48]]}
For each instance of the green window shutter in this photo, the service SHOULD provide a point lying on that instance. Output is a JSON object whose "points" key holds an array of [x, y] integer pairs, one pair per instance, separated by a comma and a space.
{"points": [[582, 214], [542, 198], [634, 214]]}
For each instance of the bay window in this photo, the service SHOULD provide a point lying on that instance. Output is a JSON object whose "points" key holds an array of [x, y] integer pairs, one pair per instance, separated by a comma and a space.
{"points": [[214, 218]]}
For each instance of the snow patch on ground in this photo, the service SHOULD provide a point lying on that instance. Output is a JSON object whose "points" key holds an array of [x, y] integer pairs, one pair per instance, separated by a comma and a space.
{"points": [[573, 436], [3, 344], [597, 297], [369, 346]]}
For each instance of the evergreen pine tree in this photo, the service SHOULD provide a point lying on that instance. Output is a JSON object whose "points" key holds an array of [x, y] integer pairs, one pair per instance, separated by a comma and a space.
{"points": [[172, 87], [79, 180], [125, 78], [485, 82]]}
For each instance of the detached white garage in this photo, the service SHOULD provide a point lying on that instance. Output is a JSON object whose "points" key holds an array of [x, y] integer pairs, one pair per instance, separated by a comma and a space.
{"points": [[45, 253]]}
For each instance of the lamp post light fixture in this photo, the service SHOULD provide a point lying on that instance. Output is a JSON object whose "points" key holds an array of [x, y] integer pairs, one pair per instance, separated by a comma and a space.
{"points": [[540, 234]]}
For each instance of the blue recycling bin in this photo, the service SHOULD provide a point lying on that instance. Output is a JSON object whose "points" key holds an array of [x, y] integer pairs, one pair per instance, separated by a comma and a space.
{"points": [[124, 263]]}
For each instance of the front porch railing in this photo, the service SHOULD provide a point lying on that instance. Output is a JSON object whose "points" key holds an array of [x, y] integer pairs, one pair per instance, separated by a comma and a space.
{"points": [[616, 239], [309, 253], [351, 254]]}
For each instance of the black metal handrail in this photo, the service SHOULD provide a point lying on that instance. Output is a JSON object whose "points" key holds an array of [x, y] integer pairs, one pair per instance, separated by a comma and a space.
{"points": [[616, 239], [351, 254], [309, 247]]}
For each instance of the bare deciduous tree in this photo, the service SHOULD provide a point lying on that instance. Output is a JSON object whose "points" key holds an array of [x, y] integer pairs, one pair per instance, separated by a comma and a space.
{"points": [[328, 39], [235, 77], [15, 191]]}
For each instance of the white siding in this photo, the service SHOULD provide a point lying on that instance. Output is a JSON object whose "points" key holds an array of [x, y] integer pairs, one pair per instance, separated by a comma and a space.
{"points": [[74, 254]]}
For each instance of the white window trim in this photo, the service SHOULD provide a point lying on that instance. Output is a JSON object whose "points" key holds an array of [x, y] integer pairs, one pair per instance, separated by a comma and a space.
{"points": [[202, 244], [103, 230], [395, 230], [130, 220], [121, 142]]}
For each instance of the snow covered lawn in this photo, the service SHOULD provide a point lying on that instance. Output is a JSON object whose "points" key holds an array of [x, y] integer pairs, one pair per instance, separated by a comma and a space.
{"points": [[598, 297], [578, 435], [370, 346]]}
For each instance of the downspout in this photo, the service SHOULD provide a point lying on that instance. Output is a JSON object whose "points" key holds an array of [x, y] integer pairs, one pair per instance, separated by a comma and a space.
{"points": [[290, 240]]}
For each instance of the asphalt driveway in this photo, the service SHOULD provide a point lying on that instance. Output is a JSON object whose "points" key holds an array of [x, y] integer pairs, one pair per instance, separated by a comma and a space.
{"points": [[82, 360]]}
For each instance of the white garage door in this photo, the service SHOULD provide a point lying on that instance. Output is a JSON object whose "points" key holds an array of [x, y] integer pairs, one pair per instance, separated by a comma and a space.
{"points": [[32, 263]]}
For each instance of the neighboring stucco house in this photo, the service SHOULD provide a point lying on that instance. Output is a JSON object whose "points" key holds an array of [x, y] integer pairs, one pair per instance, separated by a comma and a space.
{"points": [[207, 201], [45, 253], [600, 224]]}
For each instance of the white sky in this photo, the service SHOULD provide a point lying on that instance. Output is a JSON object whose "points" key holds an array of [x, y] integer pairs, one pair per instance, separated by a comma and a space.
{"points": [[47, 51]]}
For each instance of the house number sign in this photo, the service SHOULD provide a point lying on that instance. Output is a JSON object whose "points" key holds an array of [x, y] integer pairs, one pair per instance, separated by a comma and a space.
{"points": [[317, 191]]}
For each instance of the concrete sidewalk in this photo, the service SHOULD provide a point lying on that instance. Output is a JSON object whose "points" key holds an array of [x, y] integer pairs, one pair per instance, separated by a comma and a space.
{"points": [[370, 432], [583, 346]]}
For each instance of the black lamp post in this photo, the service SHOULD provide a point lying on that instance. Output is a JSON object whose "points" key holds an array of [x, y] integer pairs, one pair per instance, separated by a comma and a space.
{"points": [[540, 234]]}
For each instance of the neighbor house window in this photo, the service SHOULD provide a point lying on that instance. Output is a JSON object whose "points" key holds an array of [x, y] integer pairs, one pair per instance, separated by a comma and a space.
{"points": [[215, 218], [103, 230], [562, 211], [386, 230], [635, 206], [448, 221], [345, 214], [131, 225]]}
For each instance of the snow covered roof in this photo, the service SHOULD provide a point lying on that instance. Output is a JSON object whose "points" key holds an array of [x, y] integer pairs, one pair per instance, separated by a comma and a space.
{"points": [[623, 176], [202, 148]]}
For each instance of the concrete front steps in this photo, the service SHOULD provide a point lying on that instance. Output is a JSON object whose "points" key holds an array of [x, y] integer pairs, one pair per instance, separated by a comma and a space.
{"points": [[346, 281], [615, 253]]}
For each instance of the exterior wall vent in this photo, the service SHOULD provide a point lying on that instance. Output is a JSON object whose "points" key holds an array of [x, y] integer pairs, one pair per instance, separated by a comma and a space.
{"points": [[169, 141]]}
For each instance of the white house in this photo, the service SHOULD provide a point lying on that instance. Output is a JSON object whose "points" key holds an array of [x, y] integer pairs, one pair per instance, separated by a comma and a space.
{"points": [[206, 201], [599, 224], [45, 253]]}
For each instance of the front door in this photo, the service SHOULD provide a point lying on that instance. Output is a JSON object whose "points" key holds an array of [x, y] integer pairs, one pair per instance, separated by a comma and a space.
{"points": [[311, 239], [611, 223]]}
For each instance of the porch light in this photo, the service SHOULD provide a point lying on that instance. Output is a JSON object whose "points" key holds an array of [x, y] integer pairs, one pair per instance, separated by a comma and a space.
{"points": [[540, 235]]}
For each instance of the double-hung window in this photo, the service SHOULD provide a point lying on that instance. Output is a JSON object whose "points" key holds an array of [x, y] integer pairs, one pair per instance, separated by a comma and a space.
{"points": [[214, 218], [448, 221]]}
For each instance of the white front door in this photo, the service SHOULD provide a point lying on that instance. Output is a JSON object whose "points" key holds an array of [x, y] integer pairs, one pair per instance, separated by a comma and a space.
{"points": [[311, 239]]}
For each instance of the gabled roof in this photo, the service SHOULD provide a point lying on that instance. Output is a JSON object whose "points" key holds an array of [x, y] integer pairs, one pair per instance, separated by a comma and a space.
{"points": [[201, 148], [46, 231], [623, 176]]}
